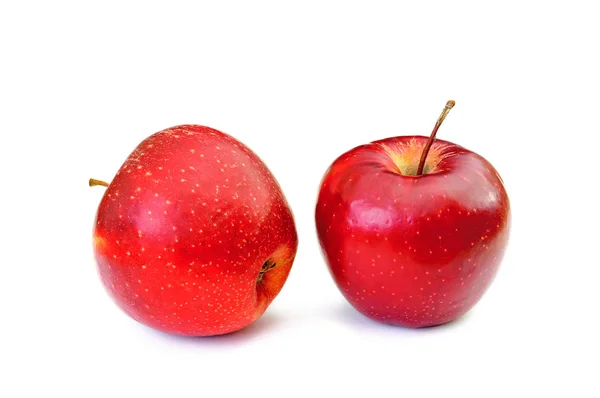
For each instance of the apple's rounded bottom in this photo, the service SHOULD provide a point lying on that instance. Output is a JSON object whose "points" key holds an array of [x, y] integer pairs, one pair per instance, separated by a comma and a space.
{"points": [[413, 323], [189, 329], [193, 332], [425, 325]]}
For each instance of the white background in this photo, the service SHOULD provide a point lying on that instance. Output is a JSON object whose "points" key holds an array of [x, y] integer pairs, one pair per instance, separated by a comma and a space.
{"points": [[82, 85]]}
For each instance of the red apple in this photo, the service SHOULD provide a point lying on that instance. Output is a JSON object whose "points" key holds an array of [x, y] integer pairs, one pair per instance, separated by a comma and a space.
{"points": [[193, 235], [409, 247]]}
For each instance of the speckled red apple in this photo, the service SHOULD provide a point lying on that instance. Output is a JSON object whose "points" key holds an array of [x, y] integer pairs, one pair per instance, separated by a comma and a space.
{"points": [[413, 229], [193, 235]]}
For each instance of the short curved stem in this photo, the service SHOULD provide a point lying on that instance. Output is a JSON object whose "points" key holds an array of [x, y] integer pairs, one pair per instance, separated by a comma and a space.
{"points": [[94, 182]]}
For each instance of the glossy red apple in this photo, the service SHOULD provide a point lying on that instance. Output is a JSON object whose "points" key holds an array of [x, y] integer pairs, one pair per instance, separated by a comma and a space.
{"points": [[409, 247], [193, 235]]}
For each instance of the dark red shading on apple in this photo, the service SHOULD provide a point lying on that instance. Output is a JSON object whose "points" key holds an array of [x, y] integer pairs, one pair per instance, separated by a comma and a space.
{"points": [[193, 235], [407, 248]]}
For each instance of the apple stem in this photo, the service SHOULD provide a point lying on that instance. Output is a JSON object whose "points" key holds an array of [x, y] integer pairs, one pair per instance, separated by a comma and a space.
{"points": [[94, 182], [449, 105]]}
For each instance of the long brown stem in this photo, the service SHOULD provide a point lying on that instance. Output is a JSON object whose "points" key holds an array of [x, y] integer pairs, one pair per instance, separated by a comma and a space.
{"points": [[94, 182], [449, 105]]}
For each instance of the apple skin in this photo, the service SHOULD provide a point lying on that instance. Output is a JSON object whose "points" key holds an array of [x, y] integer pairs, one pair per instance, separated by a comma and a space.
{"points": [[184, 229], [411, 250]]}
